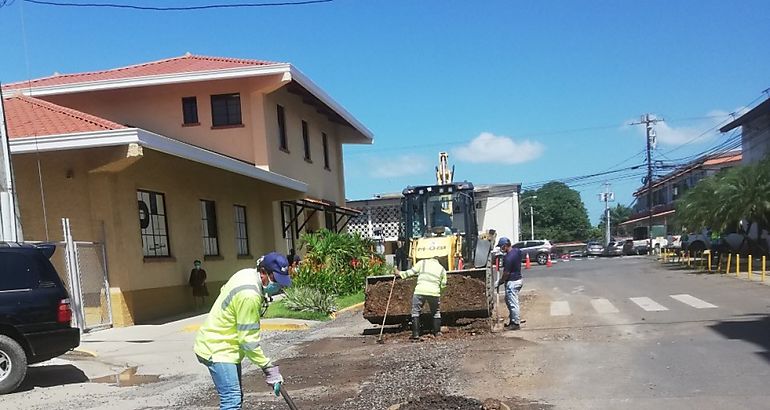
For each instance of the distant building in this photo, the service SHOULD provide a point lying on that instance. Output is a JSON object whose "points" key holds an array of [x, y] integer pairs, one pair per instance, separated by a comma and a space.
{"points": [[666, 190], [755, 132]]}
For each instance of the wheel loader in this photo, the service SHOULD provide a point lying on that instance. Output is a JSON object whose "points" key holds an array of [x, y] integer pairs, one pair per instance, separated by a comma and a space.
{"points": [[439, 221]]}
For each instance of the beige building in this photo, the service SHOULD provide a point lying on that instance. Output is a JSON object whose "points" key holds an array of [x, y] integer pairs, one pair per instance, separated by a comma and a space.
{"points": [[166, 162]]}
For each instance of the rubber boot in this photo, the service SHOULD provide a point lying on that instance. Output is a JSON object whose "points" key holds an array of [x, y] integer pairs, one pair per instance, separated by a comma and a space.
{"points": [[437, 326], [415, 328]]}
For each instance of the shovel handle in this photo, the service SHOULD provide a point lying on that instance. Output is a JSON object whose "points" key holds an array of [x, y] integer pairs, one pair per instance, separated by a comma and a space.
{"points": [[287, 398]]}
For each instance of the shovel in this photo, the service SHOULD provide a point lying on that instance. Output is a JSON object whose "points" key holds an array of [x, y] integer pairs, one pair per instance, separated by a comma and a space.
{"points": [[286, 397], [387, 306]]}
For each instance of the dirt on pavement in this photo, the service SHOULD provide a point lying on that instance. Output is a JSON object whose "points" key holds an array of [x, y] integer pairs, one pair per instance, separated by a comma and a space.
{"points": [[461, 294]]}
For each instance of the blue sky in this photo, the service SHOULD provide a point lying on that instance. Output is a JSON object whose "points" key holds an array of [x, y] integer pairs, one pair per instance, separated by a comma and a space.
{"points": [[539, 90]]}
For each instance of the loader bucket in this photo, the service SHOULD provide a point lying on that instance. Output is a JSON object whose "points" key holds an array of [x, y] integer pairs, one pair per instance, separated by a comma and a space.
{"points": [[468, 294]]}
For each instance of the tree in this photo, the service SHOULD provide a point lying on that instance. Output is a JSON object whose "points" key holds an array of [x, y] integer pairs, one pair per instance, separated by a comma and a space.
{"points": [[722, 201], [560, 214], [619, 213]]}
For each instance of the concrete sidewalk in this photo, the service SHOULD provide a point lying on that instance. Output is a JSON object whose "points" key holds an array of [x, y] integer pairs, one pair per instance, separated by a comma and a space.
{"points": [[160, 349]]}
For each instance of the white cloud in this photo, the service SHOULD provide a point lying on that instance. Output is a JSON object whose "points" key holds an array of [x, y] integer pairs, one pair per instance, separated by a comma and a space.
{"points": [[489, 148], [401, 166]]}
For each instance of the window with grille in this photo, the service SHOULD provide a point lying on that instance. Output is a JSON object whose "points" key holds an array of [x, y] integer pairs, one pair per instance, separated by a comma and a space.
{"points": [[283, 143], [225, 109], [190, 110], [306, 140], [209, 228], [153, 224], [325, 142], [241, 233]]}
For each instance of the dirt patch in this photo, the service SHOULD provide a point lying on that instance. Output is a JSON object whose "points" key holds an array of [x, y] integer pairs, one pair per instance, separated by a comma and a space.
{"points": [[461, 294], [437, 401]]}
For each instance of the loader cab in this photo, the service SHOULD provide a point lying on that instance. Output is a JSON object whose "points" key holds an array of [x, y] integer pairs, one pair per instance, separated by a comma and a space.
{"points": [[437, 211]]}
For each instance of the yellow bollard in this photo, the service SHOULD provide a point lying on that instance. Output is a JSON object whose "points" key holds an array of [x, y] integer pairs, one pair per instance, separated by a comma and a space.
{"points": [[737, 264], [727, 265], [749, 267], [708, 258], [688, 259], [763, 268]]}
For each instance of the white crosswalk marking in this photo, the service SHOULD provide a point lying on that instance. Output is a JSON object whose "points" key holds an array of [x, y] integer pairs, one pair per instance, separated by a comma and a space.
{"points": [[603, 306], [560, 308], [693, 301], [648, 304]]}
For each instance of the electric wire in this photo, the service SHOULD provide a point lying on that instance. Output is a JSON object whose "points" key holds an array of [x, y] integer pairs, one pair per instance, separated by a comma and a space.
{"points": [[177, 8]]}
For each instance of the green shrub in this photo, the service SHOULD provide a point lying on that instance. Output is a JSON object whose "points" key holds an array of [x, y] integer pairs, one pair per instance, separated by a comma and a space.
{"points": [[338, 263], [304, 299]]}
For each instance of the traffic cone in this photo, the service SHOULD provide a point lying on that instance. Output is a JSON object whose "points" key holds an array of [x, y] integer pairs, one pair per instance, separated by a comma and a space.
{"points": [[527, 263], [549, 264]]}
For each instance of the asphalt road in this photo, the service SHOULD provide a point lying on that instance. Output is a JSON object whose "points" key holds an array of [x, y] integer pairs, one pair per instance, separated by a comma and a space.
{"points": [[630, 333]]}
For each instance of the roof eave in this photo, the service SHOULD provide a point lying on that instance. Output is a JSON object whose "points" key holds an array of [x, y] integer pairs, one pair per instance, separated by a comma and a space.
{"points": [[306, 82], [154, 142], [162, 79]]}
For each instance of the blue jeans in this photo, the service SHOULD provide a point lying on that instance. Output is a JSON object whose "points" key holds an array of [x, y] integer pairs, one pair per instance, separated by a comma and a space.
{"points": [[512, 288], [227, 381]]}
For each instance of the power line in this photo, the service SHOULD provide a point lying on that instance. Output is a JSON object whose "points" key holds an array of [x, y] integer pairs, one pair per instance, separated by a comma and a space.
{"points": [[175, 8]]}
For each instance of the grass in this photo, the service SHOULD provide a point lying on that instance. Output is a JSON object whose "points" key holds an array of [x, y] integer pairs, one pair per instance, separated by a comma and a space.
{"points": [[278, 310]]}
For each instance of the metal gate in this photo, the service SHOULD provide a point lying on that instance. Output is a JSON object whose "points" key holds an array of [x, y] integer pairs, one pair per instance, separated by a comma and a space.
{"points": [[85, 264]]}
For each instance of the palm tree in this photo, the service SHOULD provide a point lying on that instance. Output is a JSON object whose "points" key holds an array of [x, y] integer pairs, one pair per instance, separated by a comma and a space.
{"points": [[722, 201], [745, 196]]}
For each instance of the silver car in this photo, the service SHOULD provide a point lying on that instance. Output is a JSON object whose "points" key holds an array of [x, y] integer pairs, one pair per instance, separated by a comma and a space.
{"points": [[594, 249], [538, 250]]}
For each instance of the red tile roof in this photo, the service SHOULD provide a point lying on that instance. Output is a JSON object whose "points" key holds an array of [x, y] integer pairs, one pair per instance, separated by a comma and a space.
{"points": [[27, 117], [176, 65]]}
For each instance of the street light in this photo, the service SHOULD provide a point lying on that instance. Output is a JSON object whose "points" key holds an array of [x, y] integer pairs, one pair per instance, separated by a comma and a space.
{"points": [[531, 218]]}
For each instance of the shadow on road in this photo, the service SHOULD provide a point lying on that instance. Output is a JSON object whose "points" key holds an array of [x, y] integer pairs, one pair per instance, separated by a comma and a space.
{"points": [[52, 375], [756, 331]]}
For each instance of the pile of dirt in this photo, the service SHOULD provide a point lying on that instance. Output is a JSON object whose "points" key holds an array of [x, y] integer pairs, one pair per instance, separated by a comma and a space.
{"points": [[438, 401], [461, 294]]}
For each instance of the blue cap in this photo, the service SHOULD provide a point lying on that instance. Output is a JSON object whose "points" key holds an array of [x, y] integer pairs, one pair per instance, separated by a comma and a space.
{"points": [[278, 265], [503, 241]]}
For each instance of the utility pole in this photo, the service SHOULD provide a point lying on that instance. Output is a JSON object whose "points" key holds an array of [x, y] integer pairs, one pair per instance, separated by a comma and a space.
{"points": [[648, 122], [607, 197], [10, 226]]}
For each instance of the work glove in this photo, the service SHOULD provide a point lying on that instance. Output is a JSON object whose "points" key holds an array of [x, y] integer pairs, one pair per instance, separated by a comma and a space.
{"points": [[273, 378]]}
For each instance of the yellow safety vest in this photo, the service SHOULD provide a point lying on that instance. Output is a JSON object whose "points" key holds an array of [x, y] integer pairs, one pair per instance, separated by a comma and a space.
{"points": [[431, 277], [231, 331]]}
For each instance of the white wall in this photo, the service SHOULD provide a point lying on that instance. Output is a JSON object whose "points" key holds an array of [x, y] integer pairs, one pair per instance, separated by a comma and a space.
{"points": [[756, 140], [501, 213]]}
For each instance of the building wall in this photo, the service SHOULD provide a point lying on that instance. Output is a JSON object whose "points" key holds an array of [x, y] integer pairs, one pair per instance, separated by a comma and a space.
{"points": [[159, 109], [78, 185], [756, 140], [500, 213], [327, 184]]}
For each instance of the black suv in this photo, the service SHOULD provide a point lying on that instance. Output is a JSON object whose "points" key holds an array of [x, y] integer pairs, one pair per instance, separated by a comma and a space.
{"points": [[35, 312]]}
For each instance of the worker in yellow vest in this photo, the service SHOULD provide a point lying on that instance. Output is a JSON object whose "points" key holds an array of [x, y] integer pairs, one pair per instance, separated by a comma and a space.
{"points": [[431, 281], [231, 330]]}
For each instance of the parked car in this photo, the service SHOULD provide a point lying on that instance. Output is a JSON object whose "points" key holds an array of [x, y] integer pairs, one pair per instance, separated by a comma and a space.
{"points": [[594, 249], [35, 312], [538, 250], [578, 253], [613, 249]]}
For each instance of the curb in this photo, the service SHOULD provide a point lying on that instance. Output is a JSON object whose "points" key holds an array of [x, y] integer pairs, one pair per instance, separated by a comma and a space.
{"points": [[82, 353], [357, 306]]}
